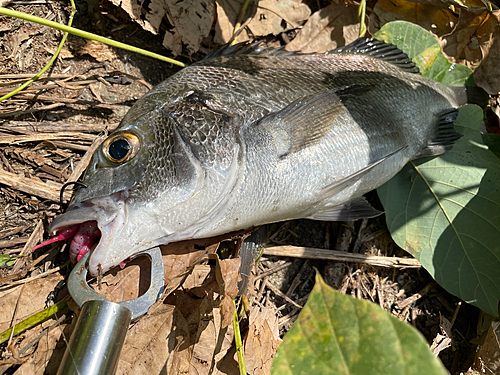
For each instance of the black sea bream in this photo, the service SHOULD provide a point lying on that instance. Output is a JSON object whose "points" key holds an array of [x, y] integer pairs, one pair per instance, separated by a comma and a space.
{"points": [[250, 136]]}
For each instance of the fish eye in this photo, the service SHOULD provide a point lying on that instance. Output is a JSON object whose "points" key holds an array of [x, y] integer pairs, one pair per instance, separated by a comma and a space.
{"points": [[121, 147]]}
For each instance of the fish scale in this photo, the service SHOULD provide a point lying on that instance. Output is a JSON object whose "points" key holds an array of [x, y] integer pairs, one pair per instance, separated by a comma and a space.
{"points": [[250, 136]]}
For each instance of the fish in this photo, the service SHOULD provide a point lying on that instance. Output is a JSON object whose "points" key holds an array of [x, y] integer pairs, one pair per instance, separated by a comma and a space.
{"points": [[250, 136]]}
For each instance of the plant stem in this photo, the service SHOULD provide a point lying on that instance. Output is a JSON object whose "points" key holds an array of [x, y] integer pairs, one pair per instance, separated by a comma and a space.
{"points": [[362, 16], [237, 340], [51, 61], [87, 35]]}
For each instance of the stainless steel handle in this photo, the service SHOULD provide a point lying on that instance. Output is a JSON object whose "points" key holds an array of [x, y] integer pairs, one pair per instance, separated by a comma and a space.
{"points": [[98, 337], [97, 340]]}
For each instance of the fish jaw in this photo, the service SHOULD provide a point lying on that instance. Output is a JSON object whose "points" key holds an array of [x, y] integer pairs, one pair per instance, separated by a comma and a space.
{"points": [[122, 234]]}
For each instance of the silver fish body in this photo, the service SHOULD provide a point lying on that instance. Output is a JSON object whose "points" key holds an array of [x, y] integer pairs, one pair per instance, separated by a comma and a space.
{"points": [[251, 137]]}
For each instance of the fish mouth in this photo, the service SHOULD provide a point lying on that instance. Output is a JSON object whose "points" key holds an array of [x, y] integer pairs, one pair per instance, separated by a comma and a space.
{"points": [[96, 220]]}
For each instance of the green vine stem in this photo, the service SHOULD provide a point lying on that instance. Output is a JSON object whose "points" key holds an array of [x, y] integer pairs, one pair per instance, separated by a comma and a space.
{"points": [[33, 320], [51, 61], [362, 16], [87, 35], [237, 340]]}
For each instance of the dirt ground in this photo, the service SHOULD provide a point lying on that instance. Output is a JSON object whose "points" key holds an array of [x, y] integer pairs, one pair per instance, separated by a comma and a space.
{"points": [[94, 87]]}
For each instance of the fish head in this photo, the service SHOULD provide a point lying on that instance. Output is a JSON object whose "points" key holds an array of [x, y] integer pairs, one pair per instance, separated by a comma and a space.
{"points": [[140, 169]]}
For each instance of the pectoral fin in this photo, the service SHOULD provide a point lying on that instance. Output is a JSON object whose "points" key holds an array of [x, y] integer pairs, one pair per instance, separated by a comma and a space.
{"points": [[304, 122], [358, 208]]}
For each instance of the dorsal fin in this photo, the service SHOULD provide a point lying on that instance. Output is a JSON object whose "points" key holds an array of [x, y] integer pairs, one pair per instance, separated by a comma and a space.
{"points": [[249, 48], [381, 50]]}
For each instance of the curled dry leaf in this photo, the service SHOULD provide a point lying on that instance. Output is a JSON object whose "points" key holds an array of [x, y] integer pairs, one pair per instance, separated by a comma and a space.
{"points": [[262, 340], [431, 15], [329, 28], [188, 21], [462, 44], [488, 355], [475, 42], [268, 17], [487, 75], [228, 275]]}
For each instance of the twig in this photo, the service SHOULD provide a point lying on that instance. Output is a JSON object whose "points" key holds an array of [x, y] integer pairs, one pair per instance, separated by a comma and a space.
{"points": [[11, 243], [296, 281], [35, 237], [341, 256], [40, 276], [24, 76], [85, 160], [31, 186], [37, 137], [283, 295], [55, 126], [32, 110], [271, 271], [422, 292]]}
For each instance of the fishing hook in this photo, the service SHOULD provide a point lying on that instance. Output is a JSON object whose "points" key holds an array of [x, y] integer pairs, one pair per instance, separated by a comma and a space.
{"points": [[65, 186]]}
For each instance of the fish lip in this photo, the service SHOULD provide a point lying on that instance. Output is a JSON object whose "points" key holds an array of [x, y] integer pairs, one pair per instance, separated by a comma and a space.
{"points": [[109, 212]]}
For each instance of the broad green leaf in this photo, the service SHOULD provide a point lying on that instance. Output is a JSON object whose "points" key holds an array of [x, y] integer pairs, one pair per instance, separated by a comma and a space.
{"points": [[493, 143], [446, 213], [338, 334], [423, 48]]}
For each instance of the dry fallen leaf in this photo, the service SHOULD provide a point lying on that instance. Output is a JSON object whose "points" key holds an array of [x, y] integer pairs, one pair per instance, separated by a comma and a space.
{"points": [[269, 17], [475, 42], [188, 21], [437, 19], [334, 26], [488, 355], [30, 299], [48, 351], [462, 44], [186, 331], [487, 75], [262, 340], [442, 340], [99, 51]]}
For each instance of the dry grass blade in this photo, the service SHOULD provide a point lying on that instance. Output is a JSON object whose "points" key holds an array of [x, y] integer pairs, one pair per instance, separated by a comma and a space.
{"points": [[341, 256], [33, 110], [31, 186], [35, 237], [55, 126], [37, 137]]}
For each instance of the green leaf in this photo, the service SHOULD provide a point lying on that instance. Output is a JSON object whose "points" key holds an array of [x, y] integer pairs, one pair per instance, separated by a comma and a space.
{"points": [[493, 143], [423, 48], [338, 334], [6, 260], [445, 212]]}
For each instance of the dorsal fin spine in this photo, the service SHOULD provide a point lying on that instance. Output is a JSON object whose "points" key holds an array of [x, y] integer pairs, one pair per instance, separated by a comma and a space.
{"points": [[379, 49]]}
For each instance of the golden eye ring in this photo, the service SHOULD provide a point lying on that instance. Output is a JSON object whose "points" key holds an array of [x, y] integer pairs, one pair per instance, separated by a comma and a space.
{"points": [[121, 147]]}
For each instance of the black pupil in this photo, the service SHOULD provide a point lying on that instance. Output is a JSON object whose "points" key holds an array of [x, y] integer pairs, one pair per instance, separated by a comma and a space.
{"points": [[119, 149]]}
